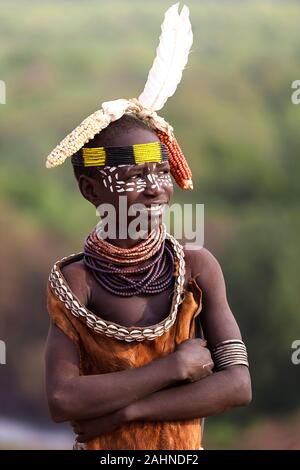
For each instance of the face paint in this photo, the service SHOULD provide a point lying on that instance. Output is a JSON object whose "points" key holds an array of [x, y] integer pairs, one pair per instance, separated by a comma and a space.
{"points": [[111, 180]]}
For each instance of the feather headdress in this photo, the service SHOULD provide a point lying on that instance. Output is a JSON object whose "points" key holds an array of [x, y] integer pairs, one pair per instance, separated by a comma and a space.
{"points": [[171, 57], [165, 74]]}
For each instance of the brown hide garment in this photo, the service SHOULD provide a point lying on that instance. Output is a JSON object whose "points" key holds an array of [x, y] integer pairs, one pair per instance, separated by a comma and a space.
{"points": [[101, 354]]}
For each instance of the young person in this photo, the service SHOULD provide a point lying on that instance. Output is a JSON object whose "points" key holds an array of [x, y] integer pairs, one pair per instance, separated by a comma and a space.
{"points": [[123, 363]]}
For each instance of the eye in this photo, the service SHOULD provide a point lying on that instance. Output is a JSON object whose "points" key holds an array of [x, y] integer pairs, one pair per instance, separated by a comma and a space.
{"points": [[164, 169], [135, 177]]}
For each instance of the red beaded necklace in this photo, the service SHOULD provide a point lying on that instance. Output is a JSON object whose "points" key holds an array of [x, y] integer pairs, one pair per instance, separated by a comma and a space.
{"points": [[126, 256]]}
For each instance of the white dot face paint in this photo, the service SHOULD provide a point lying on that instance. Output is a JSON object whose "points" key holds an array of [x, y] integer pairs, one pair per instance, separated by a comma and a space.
{"points": [[166, 179], [136, 182]]}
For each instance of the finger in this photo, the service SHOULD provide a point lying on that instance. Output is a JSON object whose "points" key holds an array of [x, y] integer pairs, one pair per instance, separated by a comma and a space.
{"points": [[208, 366]]}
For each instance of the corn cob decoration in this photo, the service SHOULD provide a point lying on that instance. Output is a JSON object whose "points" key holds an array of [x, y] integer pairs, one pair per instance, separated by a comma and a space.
{"points": [[179, 168], [164, 76]]}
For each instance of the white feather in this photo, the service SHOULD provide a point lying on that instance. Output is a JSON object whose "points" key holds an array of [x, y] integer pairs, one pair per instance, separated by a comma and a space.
{"points": [[171, 57]]}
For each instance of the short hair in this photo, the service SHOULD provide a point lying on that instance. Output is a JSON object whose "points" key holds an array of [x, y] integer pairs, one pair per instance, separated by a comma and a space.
{"points": [[106, 138]]}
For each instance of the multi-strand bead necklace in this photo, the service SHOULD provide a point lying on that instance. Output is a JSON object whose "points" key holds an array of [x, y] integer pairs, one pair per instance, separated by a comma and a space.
{"points": [[146, 268]]}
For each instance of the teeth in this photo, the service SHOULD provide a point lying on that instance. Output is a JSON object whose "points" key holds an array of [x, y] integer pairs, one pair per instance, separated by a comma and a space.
{"points": [[155, 208]]}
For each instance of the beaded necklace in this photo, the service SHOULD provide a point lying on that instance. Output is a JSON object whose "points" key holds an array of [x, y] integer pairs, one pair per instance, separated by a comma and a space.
{"points": [[146, 268]]}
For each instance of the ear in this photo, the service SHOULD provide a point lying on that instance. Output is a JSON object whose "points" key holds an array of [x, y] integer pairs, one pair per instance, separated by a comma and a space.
{"points": [[90, 189]]}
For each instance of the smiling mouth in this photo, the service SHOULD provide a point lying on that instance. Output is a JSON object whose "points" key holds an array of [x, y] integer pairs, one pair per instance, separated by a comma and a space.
{"points": [[155, 208]]}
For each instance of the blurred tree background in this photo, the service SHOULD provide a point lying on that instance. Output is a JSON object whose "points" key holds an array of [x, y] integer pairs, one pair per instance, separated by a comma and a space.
{"points": [[234, 118]]}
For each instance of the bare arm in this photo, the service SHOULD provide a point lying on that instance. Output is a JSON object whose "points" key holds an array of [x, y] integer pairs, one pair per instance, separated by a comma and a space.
{"points": [[209, 396], [75, 397], [72, 396], [212, 395], [218, 392]]}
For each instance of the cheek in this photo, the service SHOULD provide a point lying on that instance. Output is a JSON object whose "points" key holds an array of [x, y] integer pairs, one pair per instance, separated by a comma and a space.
{"points": [[108, 181], [167, 180], [113, 184], [166, 183], [168, 186], [160, 181], [129, 187]]}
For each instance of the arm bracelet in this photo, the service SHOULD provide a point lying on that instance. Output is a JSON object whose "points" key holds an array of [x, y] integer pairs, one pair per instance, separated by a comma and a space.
{"points": [[229, 353]]}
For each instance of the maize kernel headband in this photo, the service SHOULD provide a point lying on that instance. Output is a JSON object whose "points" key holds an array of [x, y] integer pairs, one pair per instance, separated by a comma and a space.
{"points": [[171, 57]]}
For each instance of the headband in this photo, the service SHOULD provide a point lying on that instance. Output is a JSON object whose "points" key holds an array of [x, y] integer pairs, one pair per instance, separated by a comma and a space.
{"points": [[128, 155], [171, 58]]}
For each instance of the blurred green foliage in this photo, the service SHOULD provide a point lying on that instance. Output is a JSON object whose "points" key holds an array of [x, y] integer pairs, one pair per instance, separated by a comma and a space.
{"points": [[232, 115]]}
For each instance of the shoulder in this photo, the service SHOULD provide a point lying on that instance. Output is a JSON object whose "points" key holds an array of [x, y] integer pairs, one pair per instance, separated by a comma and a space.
{"points": [[204, 267], [78, 279]]}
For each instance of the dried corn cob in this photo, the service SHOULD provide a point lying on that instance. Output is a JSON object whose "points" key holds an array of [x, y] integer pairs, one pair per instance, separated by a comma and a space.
{"points": [[179, 167]]}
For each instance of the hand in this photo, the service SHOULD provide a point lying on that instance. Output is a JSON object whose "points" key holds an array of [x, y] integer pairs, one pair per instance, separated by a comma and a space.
{"points": [[89, 428], [194, 359]]}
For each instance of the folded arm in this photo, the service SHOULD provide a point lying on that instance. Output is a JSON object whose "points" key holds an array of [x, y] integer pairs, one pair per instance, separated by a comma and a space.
{"points": [[209, 396], [74, 397], [221, 391]]}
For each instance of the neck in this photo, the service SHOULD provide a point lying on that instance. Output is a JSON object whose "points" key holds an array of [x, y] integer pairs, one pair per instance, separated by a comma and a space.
{"points": [[124, 243]]}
